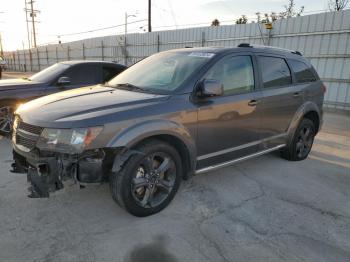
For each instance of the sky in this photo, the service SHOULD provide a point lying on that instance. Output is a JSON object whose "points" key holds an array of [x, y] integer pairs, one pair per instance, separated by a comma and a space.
{"points": [[61, 17]]}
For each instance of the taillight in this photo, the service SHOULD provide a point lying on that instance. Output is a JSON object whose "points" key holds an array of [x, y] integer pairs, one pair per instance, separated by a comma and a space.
{"points": [[324, 88]]}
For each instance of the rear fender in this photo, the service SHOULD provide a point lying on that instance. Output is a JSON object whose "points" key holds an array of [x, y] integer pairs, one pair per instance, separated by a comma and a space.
{"points": [[298, 116]]}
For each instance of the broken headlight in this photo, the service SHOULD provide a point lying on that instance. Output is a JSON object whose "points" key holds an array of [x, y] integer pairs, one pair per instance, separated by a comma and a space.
{"points": [[72, 141]]}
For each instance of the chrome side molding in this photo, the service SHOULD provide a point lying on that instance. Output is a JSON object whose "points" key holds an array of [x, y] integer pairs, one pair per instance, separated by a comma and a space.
{"points": [[211, 168]]}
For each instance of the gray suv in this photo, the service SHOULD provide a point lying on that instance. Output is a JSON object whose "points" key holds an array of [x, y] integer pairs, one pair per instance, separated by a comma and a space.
{"points": [[171, 115]]}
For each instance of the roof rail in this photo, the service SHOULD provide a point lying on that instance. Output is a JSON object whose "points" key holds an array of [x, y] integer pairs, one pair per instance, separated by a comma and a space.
{"points": [[269, 47]]}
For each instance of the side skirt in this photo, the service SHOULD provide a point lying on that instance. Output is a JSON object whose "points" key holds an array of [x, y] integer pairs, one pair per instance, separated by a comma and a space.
{"points": [[221, 165]]}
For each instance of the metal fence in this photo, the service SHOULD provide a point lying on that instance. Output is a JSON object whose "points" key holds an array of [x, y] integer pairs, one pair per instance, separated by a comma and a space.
{"points": [[323, 38]]}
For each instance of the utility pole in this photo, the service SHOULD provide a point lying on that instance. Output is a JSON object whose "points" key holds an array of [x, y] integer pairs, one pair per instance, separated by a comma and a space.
{"points": [[32, 14], [1, 49], [149, 16], [125, 34], [28, 32]]}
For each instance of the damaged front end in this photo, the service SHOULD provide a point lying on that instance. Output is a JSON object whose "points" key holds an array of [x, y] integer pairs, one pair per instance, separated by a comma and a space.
{"points": [[52, 156]]}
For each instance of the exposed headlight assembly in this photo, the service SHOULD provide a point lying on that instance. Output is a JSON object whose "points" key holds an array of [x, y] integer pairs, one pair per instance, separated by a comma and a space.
{"points": [[71, 141]]}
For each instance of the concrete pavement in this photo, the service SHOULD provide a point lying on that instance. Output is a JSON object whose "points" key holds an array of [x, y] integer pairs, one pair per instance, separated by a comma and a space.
{"points": [[264, 209]]}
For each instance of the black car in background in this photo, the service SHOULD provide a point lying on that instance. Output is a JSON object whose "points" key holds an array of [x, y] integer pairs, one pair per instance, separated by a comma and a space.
{"points": [[58, 77]]}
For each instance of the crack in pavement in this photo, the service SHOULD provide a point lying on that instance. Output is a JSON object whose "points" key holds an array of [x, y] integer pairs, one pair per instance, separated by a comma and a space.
{"points": [[316, 209], [305, 237]]}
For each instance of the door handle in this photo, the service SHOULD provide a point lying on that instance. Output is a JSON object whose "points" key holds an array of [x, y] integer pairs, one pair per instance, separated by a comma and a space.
{"points": [[253, 102], [296, 94]]}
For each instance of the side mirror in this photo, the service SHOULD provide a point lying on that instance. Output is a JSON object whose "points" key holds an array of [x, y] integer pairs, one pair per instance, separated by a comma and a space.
{"points": [[210, 88], [63, 81]]}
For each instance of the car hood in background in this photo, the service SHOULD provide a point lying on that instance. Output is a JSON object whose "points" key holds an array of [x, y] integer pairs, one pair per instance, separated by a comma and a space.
{"points": [[87, 106]]}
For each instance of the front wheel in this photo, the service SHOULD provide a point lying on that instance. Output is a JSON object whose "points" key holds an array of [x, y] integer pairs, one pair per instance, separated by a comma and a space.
{"points": [[302, 142], [149, 179], [6, 119]]}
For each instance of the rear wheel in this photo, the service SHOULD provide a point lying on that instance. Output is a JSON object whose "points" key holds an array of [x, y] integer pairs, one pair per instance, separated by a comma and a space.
{"points": [[149, 180], [302, 142], [6, 119]]}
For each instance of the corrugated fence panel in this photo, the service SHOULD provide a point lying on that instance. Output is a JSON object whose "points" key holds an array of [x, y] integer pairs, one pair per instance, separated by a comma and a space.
{"points": [[323, 38]]}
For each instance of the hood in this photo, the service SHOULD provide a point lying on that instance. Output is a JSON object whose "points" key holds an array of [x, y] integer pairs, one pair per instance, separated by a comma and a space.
{"points": [[16, 84], [87, 106]]}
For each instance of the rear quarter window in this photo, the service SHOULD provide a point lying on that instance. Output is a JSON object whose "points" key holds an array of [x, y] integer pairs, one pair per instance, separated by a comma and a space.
{"points": [[275, 71], [303, 73]]}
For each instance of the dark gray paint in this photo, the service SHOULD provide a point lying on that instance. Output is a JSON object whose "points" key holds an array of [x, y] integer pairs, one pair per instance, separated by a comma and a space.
{"points": [[245, 123]]}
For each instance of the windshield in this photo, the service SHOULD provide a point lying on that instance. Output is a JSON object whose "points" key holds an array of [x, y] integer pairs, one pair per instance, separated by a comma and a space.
{"points": [[49, 73], [160, 73]]}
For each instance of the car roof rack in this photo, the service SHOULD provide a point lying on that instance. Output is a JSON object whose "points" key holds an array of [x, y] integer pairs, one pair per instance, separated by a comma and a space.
{"points": [[270, 47]]}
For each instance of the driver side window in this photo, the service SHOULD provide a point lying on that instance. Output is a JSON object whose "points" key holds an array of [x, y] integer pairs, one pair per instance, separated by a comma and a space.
{"points": [[83, 75], [235, 73]]}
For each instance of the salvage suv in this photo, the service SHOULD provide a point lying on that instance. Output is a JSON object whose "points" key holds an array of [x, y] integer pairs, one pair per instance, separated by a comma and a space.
{"points": [[171, 115]]}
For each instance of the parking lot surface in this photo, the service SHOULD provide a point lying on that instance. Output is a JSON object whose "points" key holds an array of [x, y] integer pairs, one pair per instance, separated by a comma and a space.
{"points": [[263, 209]]}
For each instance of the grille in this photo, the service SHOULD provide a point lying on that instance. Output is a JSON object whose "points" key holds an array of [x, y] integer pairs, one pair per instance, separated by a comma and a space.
{"points": [[29, 128], [26, 142], [26, 135]]}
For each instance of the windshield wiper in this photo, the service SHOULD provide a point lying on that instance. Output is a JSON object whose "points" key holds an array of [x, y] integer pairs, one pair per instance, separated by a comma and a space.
{"points": [[129, 87], [26, 78]]}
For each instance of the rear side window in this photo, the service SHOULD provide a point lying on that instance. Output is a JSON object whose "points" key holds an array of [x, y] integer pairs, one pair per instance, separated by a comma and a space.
{"points": [[303, 73], [235, 73], [109, 72], [275, 71]]}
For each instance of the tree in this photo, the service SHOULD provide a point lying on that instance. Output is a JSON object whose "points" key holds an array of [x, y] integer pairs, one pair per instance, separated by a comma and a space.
{"points": [[242, 20], [215, 22], [290, 10], [337, 5], [258, 17]]}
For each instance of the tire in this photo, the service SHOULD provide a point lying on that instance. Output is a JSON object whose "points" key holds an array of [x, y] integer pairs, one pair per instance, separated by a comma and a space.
{"points": [[300, 146], [6, 119], [148, 180]]}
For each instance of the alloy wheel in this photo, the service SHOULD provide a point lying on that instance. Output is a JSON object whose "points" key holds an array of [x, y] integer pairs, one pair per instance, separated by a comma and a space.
{"points": [[154, 180], [304, 141], [6, 119]]}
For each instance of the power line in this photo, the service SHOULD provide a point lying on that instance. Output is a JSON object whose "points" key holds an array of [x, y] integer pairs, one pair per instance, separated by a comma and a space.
{"points": [[100, 29]]}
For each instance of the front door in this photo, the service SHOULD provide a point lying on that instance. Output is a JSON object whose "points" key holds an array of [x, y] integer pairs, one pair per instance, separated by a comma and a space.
{"points": [[80, 75], [228, 125]]}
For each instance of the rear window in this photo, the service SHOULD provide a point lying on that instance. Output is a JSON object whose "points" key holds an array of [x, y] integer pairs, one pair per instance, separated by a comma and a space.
{"points": [[303, 72], [275, 71]]}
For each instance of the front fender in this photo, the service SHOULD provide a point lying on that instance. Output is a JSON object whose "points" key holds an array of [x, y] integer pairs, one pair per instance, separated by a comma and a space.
{"points": [[143, 130]]}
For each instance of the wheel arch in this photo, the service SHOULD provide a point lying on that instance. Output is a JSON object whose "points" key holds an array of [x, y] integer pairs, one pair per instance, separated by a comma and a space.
{"points": [[308, 110], [170, 132]]}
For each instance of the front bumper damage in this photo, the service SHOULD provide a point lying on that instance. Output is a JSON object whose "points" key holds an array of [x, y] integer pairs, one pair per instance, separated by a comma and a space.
{"points": [[48, 173]]}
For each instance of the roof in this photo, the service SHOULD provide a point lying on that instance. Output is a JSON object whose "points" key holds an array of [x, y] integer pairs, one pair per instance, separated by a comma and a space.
{"points": [[75, 62], [241, 47]]}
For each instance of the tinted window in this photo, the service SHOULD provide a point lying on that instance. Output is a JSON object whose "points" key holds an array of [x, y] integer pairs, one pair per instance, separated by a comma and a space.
{"points": [[235, 73], [303, 73], [49, 73], [275, 71], [109, 72], [84, 74]]}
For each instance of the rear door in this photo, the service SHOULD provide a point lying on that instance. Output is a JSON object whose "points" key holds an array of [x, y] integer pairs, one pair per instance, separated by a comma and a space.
{"points": [[281, 98], [229, 125]]}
